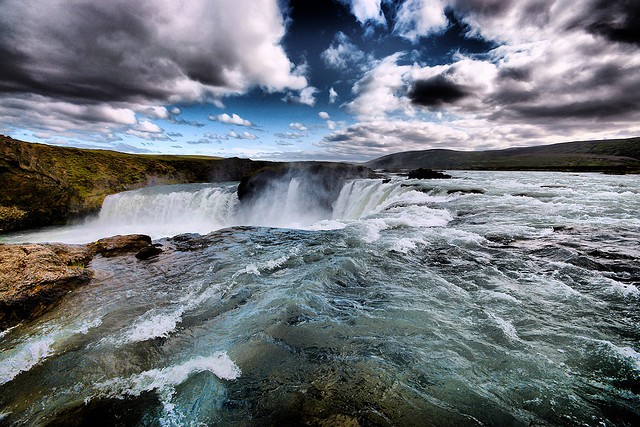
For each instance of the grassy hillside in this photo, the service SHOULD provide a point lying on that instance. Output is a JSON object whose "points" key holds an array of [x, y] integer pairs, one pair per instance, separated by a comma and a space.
{"points": [[44, 185], [621, 155]]}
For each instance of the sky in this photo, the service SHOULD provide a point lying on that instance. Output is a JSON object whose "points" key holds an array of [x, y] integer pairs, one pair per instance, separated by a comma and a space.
{"points": [[345, 80]]}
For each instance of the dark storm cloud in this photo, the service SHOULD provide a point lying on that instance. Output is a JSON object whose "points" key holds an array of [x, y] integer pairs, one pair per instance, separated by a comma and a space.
{"points": [[436, 91], [131, 51], [616, 20], [83, 55], [510, 95], [592, 109]]}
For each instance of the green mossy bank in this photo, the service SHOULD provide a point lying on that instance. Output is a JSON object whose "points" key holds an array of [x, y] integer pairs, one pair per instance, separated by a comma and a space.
{"points": [[43, 185], [610, 156]]}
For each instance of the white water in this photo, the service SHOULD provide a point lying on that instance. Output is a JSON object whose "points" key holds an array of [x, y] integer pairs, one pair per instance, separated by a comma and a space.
{"points": [[165, 211], [410, 302]]}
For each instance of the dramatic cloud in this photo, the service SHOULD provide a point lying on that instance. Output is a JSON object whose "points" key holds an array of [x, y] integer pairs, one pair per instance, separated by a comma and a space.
{"points": [[558, 73], [120, 50], [233, 119], [435, 92], [135, 56], [411, 74]]}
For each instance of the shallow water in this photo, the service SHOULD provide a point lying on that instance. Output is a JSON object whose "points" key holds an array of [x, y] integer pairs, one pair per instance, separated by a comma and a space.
{"points": [[489, 299]]}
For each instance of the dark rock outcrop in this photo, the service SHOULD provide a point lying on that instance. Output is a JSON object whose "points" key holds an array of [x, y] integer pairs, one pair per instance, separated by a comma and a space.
{"points": [[119, 245], [35, 277], [322, 180], [422, 173], [149, 251]]}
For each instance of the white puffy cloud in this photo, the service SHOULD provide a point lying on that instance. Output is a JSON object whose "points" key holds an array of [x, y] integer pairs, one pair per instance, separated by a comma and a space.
{"points": [[417, 18], [333, 95], [243, 135], [306, 96], [298, 126], [366, 11], [232, 119], [147, 126], [377, 91], [324, 115], [342, 54]]}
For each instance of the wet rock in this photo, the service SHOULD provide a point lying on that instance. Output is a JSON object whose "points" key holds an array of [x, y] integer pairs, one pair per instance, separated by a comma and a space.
{"points": [[149, 251], [119, 245], [422, 173], [33, 277]]}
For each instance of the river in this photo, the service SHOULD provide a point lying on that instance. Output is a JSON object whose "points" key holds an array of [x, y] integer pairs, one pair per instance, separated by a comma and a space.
{"points": [[493, 298]]}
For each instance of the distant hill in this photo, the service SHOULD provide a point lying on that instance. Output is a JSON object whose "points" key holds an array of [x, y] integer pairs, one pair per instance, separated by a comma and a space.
{"points": [[615, 156]]}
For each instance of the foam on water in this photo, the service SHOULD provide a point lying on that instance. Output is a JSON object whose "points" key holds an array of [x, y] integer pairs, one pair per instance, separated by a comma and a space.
{"points": [[219, 364], [32, 350], [156, 326], [24, 357]]}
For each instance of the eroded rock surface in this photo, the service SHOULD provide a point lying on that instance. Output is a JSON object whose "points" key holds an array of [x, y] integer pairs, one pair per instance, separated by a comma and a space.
{"points": [[35, 276]]}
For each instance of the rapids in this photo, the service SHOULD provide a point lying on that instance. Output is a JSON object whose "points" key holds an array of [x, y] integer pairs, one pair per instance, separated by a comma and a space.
{"points": [[494, 298]]}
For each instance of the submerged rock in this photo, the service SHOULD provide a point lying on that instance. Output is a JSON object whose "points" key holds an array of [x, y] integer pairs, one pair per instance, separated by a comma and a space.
{"points": [[35, 277], [422, 173]]}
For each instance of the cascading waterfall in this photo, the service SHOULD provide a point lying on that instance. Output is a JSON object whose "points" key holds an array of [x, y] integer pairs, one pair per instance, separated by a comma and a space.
{"points": [[165, 211]]}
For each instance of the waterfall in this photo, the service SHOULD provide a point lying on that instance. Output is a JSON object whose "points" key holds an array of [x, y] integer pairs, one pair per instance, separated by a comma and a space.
{"points": [[164, 211]]}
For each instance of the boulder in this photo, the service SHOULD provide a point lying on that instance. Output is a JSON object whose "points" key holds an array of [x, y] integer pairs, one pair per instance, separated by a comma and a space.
{"points": [[35, 277], [120, 245], [422, 173]]}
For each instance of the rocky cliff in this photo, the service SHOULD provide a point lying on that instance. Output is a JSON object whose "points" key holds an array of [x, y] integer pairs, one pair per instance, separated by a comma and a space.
{"points": [[45, 185]]}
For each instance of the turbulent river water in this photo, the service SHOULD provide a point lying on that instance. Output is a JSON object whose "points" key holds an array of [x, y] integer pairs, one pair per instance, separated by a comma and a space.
{"points": [[492, 298]]}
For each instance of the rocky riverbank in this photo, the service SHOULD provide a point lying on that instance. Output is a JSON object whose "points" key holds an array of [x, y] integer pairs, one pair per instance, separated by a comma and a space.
{"points": [[35, 277]]}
